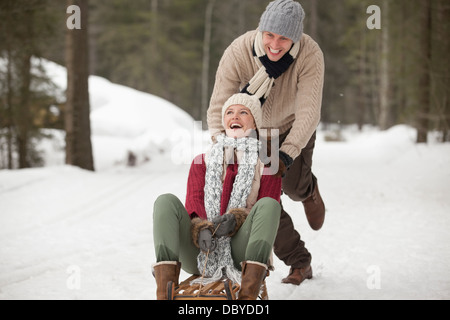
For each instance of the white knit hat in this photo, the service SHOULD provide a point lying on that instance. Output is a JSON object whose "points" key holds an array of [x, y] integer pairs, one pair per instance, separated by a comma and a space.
{"points": [[251, 102]]}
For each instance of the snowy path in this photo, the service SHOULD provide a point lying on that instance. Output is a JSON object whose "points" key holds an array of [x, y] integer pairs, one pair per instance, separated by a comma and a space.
{"points": [[386, 235]]}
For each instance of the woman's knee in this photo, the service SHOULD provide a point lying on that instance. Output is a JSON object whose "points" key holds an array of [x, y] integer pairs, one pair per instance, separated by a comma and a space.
{"points": [[269, 207], [165, 198], [165, 204]]}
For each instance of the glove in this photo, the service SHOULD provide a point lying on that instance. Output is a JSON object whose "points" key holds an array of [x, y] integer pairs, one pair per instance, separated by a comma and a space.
{"points": [[224, 225], [285, 162], [206, 241]]}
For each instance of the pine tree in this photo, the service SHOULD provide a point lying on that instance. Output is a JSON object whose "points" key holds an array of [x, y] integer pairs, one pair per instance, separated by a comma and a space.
{"points": [[25, 29]]}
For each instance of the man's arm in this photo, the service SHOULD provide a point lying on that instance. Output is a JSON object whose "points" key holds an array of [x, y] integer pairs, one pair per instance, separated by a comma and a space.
{"points": [[308, 102]]}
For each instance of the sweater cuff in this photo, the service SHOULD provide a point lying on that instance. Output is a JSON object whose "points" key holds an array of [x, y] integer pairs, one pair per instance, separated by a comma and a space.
{"points": [[240, 215]]}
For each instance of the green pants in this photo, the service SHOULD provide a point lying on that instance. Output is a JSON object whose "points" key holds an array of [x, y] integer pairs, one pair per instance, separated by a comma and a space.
{"points": [[173, 240]]}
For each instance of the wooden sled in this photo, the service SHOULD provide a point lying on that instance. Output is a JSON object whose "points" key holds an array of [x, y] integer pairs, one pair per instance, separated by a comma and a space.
{"points": [[219, 290]]}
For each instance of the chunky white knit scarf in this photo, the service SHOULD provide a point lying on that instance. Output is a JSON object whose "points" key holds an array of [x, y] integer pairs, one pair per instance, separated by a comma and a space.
{"points": [[220, 262], [262, 82]]}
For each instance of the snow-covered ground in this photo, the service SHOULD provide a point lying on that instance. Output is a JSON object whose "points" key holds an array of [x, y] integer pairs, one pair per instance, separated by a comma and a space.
{"points": [[66, 233]]}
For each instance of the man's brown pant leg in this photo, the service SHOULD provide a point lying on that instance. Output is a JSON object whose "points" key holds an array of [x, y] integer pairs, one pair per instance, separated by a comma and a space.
{"points": [[288, 246], [299, 181], [298, 184]]}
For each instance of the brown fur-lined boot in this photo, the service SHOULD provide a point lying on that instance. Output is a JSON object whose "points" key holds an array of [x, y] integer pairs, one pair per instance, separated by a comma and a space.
{"points": [[253, 275], [165, 272]]}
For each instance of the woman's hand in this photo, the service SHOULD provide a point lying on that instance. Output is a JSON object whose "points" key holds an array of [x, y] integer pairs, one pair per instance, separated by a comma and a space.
{"points": [[224, 225], [202, 235], [230, 223], [206, 241]]}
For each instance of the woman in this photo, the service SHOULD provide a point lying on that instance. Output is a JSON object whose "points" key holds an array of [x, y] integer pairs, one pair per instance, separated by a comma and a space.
{"points": [[230, 220]]}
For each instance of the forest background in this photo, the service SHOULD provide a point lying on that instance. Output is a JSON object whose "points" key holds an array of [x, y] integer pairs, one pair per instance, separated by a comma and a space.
{"points": [[398, 73]]}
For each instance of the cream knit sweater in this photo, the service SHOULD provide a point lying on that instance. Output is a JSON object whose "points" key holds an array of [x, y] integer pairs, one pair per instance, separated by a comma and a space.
{"points": [[294, 102]]}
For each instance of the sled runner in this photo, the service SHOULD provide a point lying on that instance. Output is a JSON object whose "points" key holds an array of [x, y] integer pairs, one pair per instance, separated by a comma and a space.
{"points": [[219, 290]]}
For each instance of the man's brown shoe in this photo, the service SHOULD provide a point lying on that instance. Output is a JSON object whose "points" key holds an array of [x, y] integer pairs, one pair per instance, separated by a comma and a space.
{"points": [[297, 276], [315, 209]]}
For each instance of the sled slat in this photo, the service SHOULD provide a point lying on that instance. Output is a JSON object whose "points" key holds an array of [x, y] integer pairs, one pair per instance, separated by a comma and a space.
{"points": [[218, 289], [211, 291], [211, 286]]}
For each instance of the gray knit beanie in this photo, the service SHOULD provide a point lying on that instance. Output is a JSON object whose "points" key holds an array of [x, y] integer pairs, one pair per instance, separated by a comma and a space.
{"points": [[283, 17]]}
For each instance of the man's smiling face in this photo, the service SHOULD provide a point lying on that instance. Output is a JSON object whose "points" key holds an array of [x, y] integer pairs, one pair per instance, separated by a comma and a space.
{"points": [[276, 46]]}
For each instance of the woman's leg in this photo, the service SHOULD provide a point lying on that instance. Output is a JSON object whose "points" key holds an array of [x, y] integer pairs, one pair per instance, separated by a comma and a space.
{"points": [[172, 233], [254, 240]]}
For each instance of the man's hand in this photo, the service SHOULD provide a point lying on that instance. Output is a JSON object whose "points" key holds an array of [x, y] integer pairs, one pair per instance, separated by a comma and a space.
{"points": [[285, 162]]}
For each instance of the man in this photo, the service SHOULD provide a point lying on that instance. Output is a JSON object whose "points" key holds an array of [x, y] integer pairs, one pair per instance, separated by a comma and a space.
{"points": [[285, 69]]}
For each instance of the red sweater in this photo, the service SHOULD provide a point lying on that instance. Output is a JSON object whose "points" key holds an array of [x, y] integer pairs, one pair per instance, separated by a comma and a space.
{"points": [[195, 197]]}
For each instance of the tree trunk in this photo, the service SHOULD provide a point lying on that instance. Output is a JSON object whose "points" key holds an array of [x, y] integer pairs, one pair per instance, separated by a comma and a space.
{"points": [[154, 8], [24, 120], [23, 117], [441, 66], [385, 110], [313, 21], [9, 108], [361, 110], [206, 58], [424, 75], [77, 117], [242, 5]]}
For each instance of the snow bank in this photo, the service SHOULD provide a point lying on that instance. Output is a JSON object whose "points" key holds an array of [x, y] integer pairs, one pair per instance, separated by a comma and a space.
{"points": [[125, 120]]}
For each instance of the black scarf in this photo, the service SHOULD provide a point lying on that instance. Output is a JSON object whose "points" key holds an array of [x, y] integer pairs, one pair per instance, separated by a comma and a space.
{"points": [[274, 69]]}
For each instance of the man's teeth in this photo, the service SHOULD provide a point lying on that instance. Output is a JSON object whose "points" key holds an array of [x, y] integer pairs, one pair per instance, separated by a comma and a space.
{"points": [[274, 51], [236, 126]]}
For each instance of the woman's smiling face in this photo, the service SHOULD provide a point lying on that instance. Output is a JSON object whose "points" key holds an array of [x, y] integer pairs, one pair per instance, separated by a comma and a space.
{"points": [[238, 121]]}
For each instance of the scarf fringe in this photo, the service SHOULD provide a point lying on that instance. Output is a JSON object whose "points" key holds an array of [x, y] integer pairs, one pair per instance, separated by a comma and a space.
{"points": [[221, 274]]}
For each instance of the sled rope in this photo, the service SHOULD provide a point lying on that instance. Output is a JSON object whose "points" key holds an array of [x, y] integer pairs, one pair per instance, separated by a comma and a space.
{"points": [[204, 268]]}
